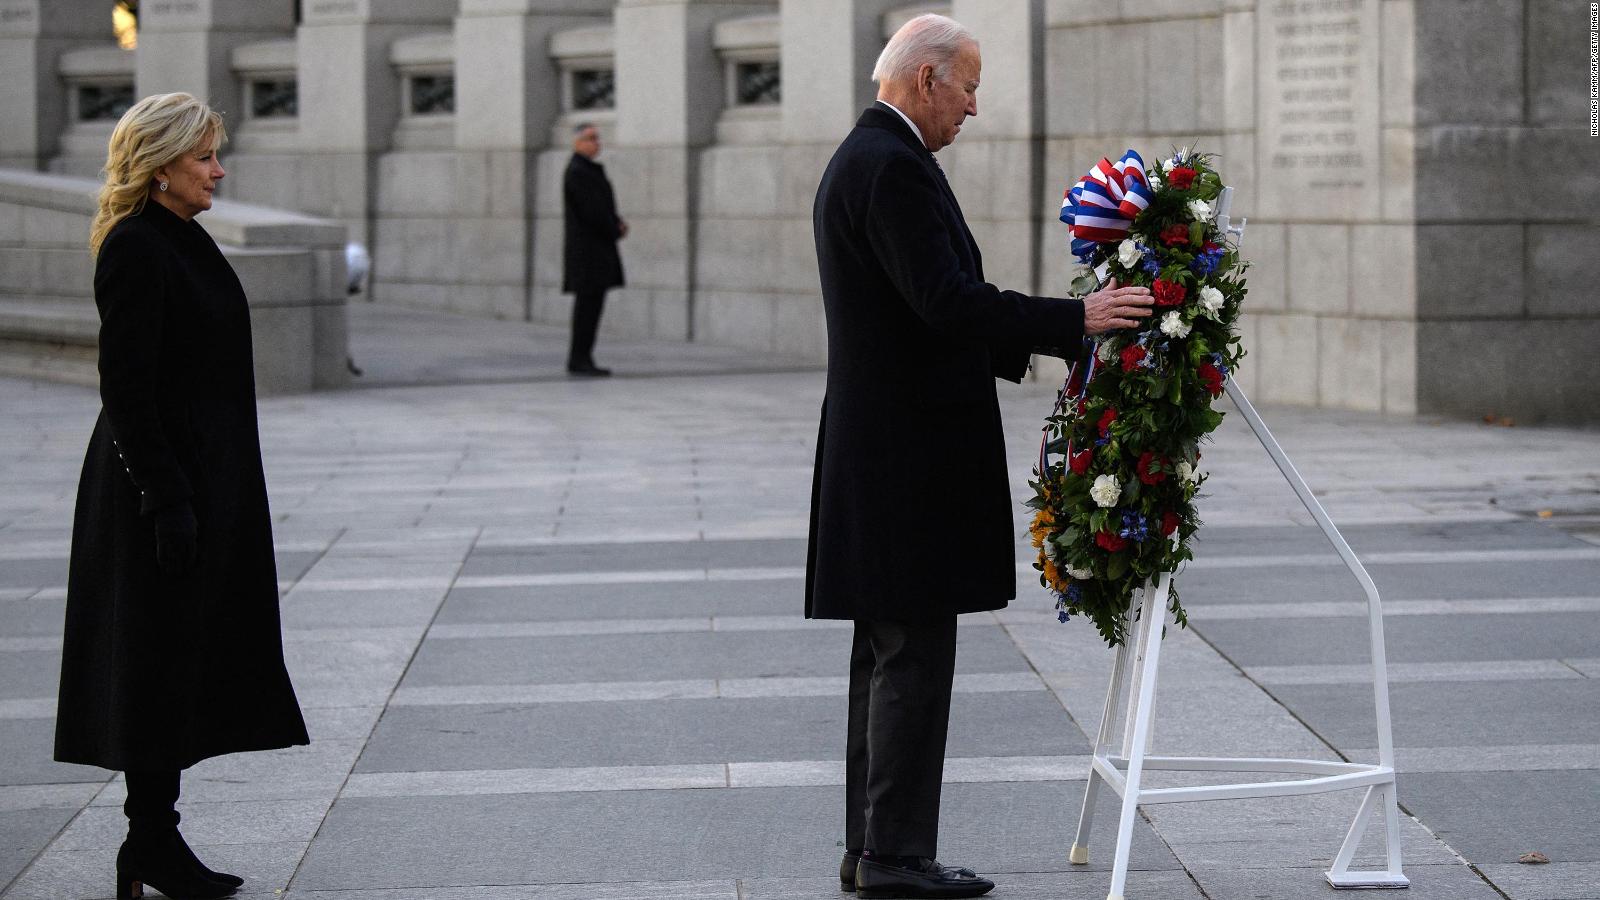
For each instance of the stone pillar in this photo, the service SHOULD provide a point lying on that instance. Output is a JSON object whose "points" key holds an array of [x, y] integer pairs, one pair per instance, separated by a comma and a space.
{"points": [[33, 35], [996, 164], [508, 97], [829, 46], [669, 92], [1507, 308], [184, 46], [350, 98]]}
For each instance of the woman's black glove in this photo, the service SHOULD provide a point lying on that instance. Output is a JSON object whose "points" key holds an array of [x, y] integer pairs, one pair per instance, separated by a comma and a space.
{"points": [[177, 539]]}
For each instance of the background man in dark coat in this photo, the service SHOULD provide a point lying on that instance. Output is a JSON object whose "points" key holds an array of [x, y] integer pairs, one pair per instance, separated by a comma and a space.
{"points": [[911, 510], [591, 263]]}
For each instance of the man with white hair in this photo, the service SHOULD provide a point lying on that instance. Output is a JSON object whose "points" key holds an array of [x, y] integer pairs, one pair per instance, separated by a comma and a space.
{"points": [[911, 507]]}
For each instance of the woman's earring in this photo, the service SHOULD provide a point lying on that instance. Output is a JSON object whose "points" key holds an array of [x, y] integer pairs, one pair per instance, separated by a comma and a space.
{"points": [[162, 185]]}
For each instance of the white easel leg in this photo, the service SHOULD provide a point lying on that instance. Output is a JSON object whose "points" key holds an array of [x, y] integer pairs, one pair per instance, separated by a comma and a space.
{"points": [[1079, 854], [1152, 622], [1378, 798]]}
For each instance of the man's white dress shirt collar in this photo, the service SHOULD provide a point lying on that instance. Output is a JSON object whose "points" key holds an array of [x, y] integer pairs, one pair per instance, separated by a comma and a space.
{"points": [[912, 125]]}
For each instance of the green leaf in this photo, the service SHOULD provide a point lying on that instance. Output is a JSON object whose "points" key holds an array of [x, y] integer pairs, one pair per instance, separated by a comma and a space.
{"points": [[1117, 566]]}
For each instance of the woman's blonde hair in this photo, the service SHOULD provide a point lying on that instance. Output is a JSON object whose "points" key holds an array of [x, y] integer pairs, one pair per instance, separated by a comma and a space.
{"points": [[153, 133]]}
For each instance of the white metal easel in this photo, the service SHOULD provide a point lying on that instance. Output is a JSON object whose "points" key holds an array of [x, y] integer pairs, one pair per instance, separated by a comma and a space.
{"points": [[1131, 699]]}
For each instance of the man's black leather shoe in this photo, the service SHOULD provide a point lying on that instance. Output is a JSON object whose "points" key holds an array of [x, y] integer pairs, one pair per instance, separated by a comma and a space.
{"points": [[847, 870], [589, 371], [926, 878]]}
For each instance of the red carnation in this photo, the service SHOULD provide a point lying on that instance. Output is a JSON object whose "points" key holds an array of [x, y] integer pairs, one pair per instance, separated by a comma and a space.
{"points": [[1175, 235], [1106, 419], [1211, 376], [1168, 293], [1080, 462], [1181, 177], [1149, 470], [1132, 355], [1169, 523], [1110, 541]]}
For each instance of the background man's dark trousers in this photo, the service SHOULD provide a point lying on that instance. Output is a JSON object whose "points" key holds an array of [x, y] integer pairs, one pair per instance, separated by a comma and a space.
{"points": [[900, 680], [586, 309]]}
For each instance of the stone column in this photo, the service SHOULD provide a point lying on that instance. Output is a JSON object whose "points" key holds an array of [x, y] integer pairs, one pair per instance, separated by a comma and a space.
{"points": [[669, 92], [829, 46], [508, 96], [33, 35], [350, 98], [996, 165], [184, 46]]}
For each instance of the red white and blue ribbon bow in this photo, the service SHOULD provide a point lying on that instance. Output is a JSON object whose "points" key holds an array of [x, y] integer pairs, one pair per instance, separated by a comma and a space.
{"points": [[1102, 205]]}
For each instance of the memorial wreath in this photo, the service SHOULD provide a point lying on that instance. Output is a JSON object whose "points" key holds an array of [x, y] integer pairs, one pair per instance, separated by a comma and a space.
{"points": [[1119, 464]]}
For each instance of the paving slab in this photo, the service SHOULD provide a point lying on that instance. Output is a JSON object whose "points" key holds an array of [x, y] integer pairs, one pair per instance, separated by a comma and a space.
{"points": [[522, 603], [1410, 639], [672, 656], [1497, 818], [665, 732], [1454, 714], [618, 836]]}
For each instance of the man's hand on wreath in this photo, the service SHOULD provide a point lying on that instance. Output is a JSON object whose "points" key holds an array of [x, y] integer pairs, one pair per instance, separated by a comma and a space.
{"points": [[1114, 307]]}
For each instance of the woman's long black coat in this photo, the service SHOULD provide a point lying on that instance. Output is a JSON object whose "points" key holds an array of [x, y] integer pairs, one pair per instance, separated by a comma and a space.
{"points": [[162, 671]]}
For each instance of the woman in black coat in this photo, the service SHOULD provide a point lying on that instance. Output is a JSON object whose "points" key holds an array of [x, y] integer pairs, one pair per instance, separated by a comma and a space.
{"points": [[173, 651]]}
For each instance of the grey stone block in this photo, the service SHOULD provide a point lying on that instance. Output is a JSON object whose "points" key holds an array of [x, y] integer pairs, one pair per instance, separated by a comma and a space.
{"points": [[1469, 69], [1559, 285], [1453, 280], [1557, 71], [1501, 385], [1460, 174]]}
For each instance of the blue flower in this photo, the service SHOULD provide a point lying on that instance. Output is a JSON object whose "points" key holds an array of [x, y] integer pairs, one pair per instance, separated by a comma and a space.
{"points": [[1134, 526], [1062, 616], [1074, 595], [1151, 265]]}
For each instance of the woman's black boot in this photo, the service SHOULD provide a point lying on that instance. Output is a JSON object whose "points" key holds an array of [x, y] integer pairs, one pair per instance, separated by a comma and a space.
{"points": [[159, 863], [155, 853]]}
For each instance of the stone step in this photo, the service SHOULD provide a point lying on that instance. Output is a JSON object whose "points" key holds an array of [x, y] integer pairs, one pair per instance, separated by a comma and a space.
{"points": [[50, 338]]}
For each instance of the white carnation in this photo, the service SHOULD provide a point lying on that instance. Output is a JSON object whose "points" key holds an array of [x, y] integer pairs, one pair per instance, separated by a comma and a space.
{"points": [[1105, 491], [1168, 165], [1079, 574], [1199, 210], [1105, 352], [1128, 253], [1186, 472], [1155, 182], [1210, 301], [1172, 325]]}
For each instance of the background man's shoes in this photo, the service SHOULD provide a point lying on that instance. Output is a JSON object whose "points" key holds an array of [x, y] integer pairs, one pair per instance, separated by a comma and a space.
{"points": [[589, 370], [847, 870], [920, 878]]}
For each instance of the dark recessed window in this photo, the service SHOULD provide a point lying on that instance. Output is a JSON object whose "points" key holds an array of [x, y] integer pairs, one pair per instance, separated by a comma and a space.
{"points": [[594, 89], [103, 102], [757, 83], [433, 94], [274, 99]]}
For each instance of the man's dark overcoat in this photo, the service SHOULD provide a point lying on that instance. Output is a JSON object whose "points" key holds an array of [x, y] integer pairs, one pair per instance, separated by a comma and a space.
{"points": [[591, 262], [161, 671], [910, 500]]}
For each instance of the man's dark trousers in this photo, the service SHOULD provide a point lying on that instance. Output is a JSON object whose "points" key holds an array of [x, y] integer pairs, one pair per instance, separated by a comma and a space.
{"points": [[900, 678], [586, 309]]}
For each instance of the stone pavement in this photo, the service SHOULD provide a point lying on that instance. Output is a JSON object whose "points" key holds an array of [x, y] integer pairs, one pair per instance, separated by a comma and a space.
{"points": [[547, 634]]}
